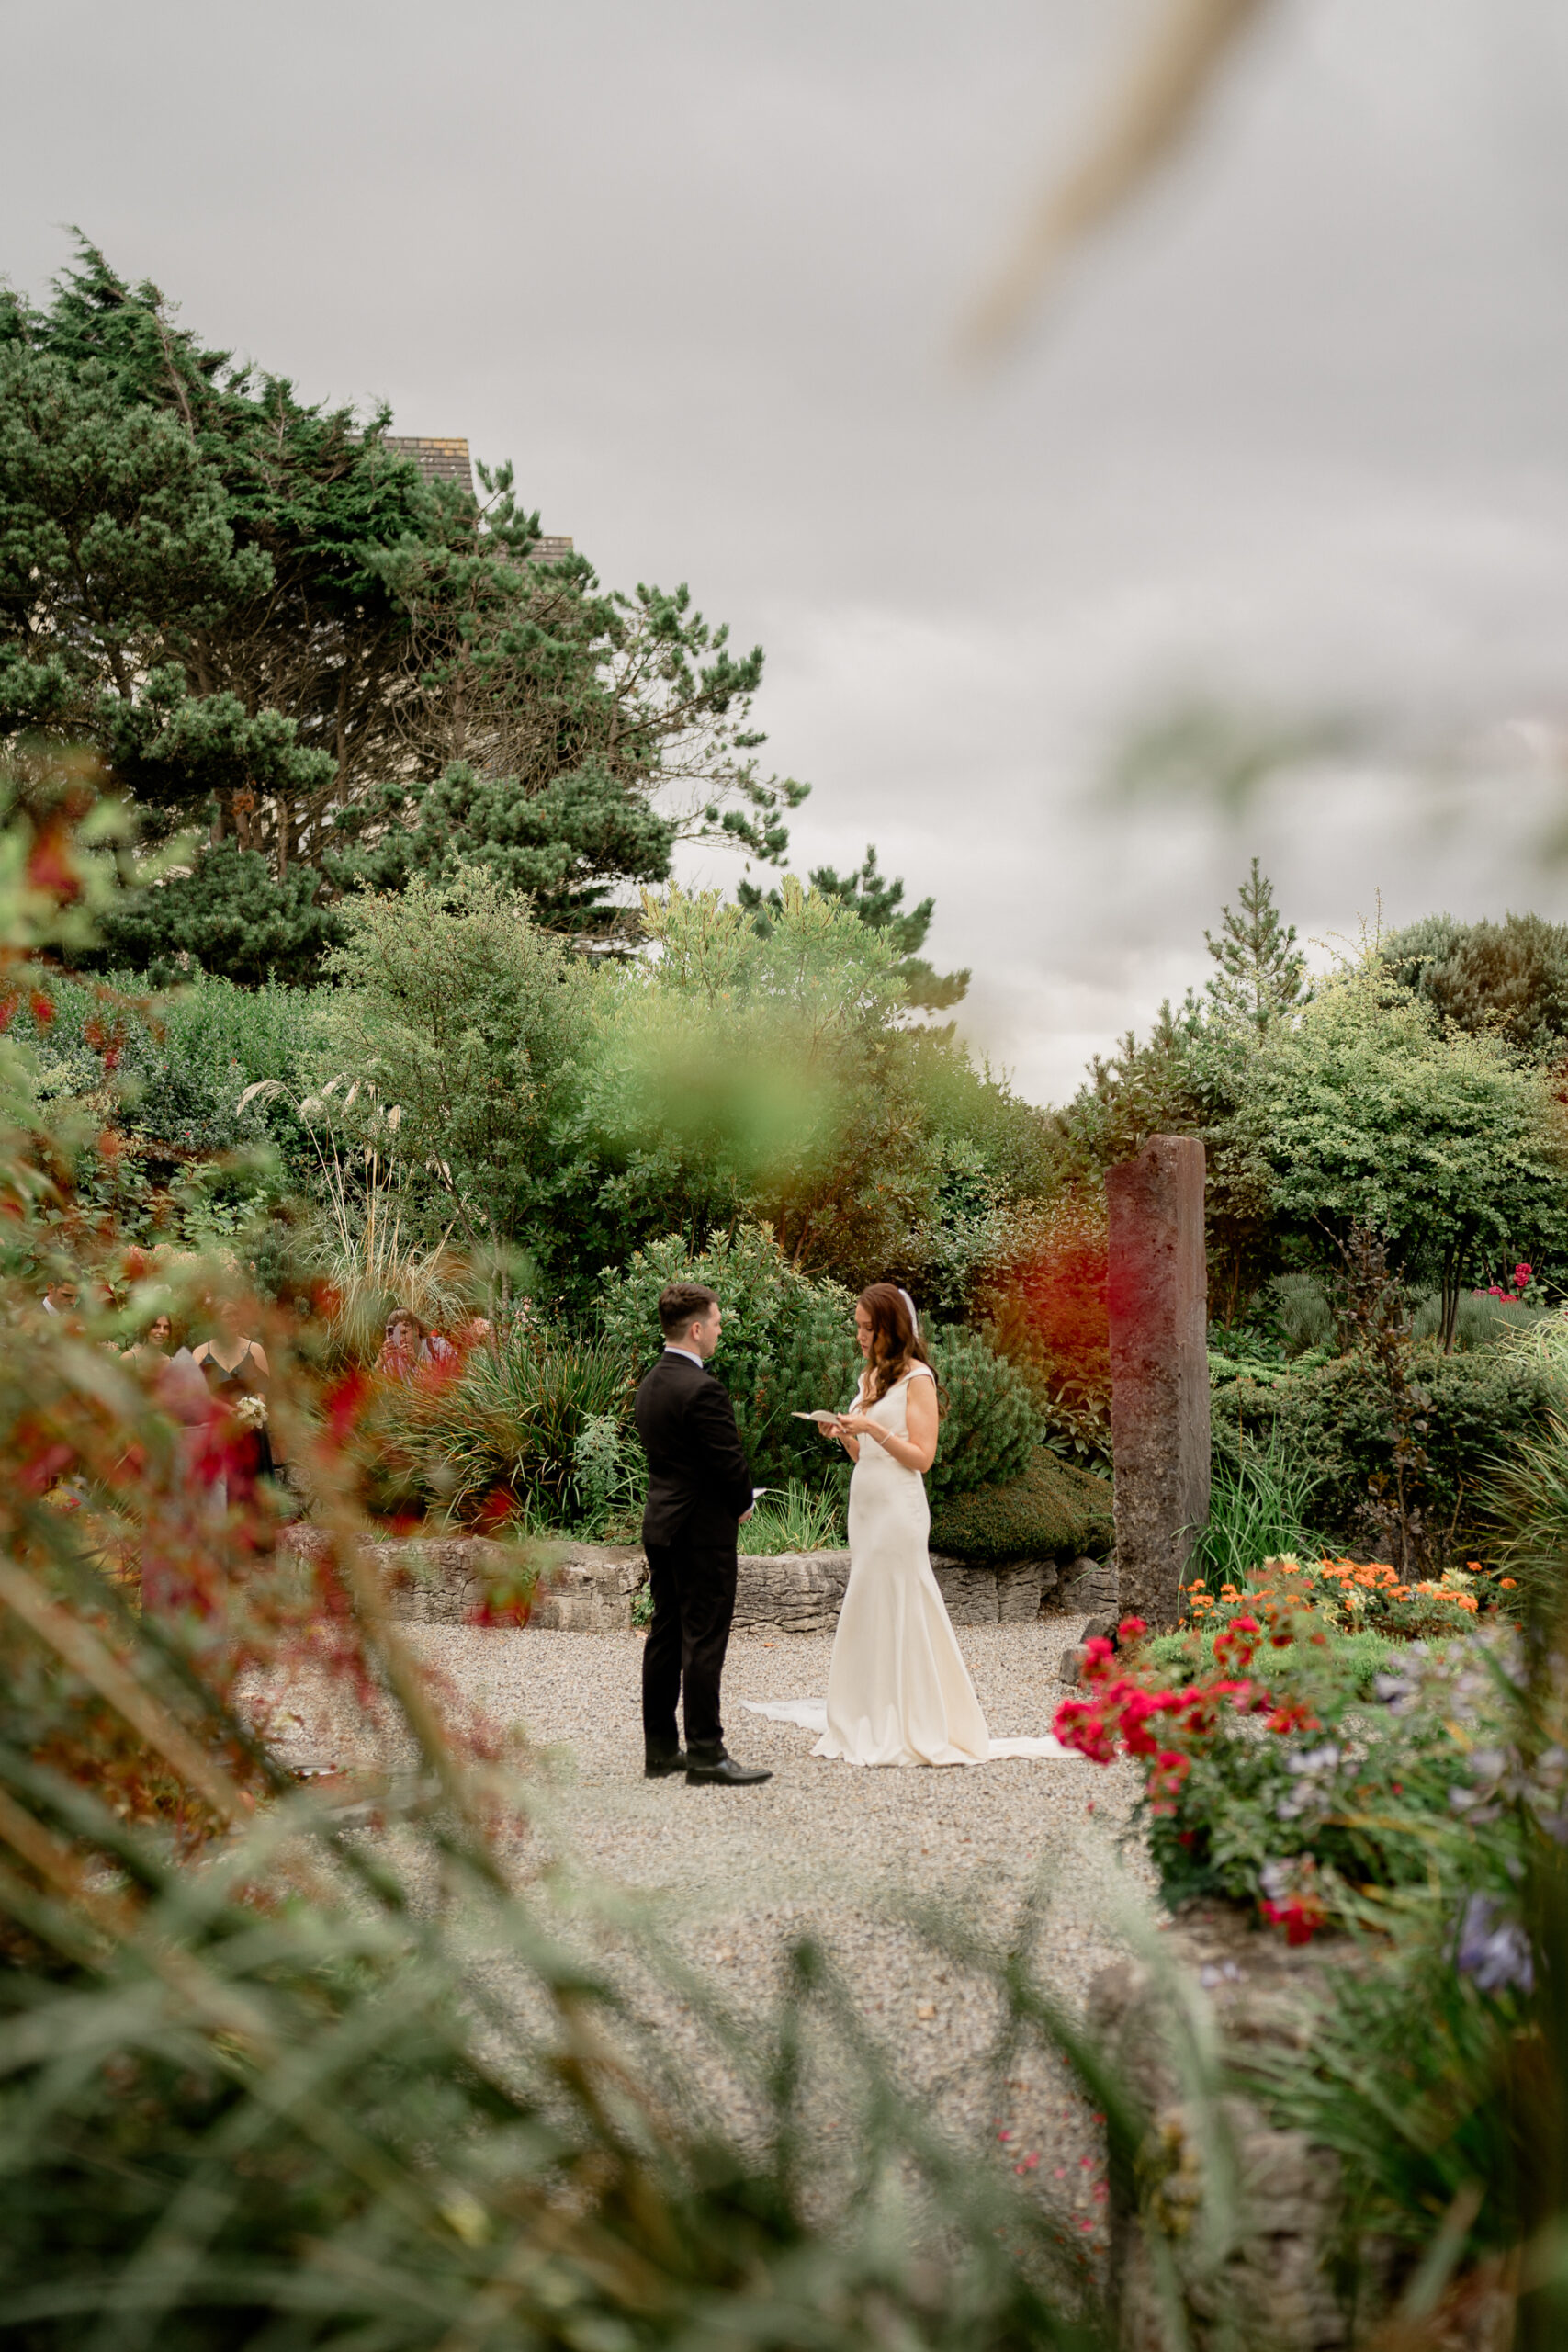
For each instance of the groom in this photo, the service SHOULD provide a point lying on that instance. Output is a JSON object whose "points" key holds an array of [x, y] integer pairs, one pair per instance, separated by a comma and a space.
{"points": [[699, 1490]]}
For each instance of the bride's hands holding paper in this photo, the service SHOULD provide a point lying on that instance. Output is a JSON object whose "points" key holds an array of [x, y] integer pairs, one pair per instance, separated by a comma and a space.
{"points": [[857, 1424]]}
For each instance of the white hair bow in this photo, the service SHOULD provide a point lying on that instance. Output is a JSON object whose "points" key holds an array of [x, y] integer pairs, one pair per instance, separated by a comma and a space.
{"points": [[914, 1316]]}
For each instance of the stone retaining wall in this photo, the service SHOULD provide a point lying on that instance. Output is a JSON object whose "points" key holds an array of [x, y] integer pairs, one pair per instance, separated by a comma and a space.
{"points": [[589, 1587], [1272, 2287]]}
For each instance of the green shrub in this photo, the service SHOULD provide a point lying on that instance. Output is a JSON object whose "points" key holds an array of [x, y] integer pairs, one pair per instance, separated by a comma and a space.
{"points": [[1051, 1511], [1476, 1411], [179, 1061], [990, 1426], [788, 1342], [524, 1422]]}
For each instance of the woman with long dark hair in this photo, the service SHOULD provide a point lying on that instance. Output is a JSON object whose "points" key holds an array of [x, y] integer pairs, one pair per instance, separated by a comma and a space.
{"points": [[898, 1691]]}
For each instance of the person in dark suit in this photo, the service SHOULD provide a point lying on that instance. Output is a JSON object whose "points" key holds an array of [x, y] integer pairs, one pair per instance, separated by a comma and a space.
{"points": [[699, 1490]]}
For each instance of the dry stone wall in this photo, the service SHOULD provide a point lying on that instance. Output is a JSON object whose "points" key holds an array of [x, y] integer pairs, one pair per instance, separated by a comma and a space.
{"points": [[589, 1587], [1270, 2284]]}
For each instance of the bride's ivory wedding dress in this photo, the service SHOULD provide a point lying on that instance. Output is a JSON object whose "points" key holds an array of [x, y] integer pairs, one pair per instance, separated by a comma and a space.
{"points": [[898, 1691]]}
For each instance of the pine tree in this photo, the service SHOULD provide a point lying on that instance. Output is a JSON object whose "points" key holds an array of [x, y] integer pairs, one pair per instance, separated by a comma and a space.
{"points": [[277, 635], [878, 899], [1262, 973]]}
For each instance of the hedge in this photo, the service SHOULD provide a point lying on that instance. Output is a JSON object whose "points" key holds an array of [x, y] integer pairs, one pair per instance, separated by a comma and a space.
{"points": [[1052, 1510]]}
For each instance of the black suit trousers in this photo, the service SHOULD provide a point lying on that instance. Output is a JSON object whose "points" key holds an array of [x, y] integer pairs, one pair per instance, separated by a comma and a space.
{"points": [[693, 1599]]}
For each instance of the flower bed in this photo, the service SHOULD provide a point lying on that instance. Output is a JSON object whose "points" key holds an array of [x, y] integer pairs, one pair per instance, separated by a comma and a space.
{"points": [[1346, 1596], [1272, 1777]]}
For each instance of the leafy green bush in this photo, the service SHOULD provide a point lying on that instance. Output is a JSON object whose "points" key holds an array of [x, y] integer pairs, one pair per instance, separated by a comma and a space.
{"points": [[455, 1006], [1050, 1510], [788, 1341], [179, 1060], [1476, 1410]]}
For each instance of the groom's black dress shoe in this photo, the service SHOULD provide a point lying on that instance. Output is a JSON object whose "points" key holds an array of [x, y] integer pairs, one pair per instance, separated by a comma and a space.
{"points": [[711, 1765], [659, 1764]]}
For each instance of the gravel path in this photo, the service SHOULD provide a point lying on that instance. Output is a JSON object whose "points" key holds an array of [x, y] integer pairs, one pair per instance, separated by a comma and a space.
{"points": [[729, 1876]]}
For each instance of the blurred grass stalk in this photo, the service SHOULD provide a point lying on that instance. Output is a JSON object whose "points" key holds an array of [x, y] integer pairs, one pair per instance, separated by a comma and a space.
{"points": [[1154, 109]]}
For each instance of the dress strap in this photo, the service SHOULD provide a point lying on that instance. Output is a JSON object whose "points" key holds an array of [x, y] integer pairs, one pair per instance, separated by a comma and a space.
{"points": [[918, 1372]]}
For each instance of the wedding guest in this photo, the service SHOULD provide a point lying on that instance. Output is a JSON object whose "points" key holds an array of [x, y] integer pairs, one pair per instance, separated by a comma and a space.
{"points": [[60, 1297], [236, 1372], [155, 1346], [402, 1344], [409, 1346]]}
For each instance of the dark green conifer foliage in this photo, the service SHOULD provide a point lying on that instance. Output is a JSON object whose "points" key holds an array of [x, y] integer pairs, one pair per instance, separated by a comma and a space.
{"points": [[1509, 977], [272, 628], [251, 927], [1263, 971]]}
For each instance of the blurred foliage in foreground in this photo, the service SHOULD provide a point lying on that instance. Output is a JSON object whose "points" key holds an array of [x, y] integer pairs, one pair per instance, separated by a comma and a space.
{"points": [[285, 2069]]}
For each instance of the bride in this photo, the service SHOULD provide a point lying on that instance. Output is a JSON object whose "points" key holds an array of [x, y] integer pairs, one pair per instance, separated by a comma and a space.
{"points": [[898, 1691]]}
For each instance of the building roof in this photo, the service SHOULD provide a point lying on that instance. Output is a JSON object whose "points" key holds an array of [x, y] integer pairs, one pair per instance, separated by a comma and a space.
{"points": [[444, 456], [440, 456]]}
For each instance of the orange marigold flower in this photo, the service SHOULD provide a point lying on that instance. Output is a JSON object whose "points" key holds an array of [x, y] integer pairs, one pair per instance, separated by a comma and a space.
{"points": [[1508, 1584]]}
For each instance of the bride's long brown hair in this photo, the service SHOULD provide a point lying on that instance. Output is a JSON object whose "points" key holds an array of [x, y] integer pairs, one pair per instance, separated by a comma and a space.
{"points": [[896, 1342]]}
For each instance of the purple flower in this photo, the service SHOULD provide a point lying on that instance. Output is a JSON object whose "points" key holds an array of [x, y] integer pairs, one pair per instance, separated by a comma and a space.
{"points": [[1495, 1952]]}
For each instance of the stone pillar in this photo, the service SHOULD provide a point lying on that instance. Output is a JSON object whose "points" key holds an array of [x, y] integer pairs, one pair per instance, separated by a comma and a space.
{"points": [[1158, 1296]]}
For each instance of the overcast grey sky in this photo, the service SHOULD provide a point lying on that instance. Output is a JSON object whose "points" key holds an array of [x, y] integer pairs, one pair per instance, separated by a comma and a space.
{"points": [[1294, 436]]}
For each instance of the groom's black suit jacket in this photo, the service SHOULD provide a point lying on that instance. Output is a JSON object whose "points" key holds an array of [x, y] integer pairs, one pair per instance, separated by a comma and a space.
{"points": [[699, 1481]]}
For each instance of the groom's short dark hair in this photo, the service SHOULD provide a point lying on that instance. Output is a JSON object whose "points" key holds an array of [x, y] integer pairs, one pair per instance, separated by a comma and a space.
{"points": [[683, 1303]]}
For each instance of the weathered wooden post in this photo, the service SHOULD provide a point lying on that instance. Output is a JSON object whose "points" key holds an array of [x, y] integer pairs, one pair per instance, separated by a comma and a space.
{"points": [[1158, 1295]]}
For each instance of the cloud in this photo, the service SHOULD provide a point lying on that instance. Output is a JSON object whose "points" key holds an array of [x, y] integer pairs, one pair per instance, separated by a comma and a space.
{"points": [[1291, 439]]}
